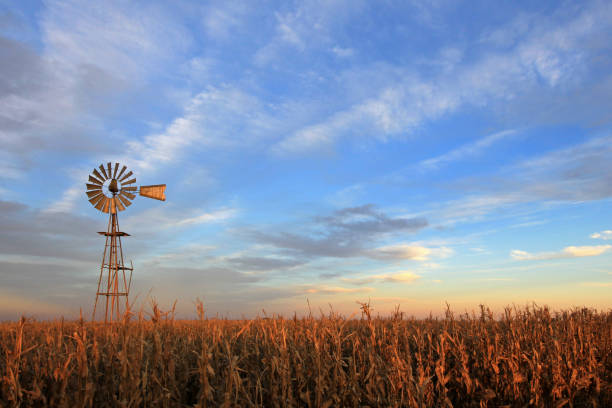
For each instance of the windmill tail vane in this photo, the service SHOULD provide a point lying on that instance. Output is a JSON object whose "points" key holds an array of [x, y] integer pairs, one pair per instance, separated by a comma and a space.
{"points": [[110, 191]]}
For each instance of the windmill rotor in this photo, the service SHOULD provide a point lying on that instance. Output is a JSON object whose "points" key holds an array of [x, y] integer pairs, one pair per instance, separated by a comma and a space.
{"points": [[110, 189]]}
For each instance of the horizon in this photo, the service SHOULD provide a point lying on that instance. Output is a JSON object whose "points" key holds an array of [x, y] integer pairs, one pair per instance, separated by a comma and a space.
{"points": [[323, 152]]}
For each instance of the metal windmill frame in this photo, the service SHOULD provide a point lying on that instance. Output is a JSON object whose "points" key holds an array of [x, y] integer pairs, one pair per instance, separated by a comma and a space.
{"points": [[111, 191]]}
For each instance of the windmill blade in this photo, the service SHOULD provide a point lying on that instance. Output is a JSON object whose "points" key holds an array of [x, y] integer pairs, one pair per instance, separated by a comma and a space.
{"points": [[156, 191], [118, 204], [93, 193], [128, 182], [128, 195], [98, 175], [94, 201], [103, 172], [126, 176], [116, 168], [95, 181], [100, 204], [121, 172], [108, 165], [124, 200], [93, 186], [106, 205], [129, 188]]}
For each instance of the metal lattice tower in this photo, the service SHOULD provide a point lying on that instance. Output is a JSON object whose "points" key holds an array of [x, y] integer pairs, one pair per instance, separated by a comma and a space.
{"points": [[110, 192]]}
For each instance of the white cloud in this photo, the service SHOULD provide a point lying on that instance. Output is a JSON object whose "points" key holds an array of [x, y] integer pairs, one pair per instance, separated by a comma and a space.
{"points": [[308, 26], [88, 57], [409, 252], [572, 174], [330, 290], [122, 39], [382, 116], [398, 277], [208, 118], [343, 52], [403, 251], [68, 201], [164, 217], [567, 252], [471, 149], [222, 19], [606, 235], [207, 217], [548, 57]]}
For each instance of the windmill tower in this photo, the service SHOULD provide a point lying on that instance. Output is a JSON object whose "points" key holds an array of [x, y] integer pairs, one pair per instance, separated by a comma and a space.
{"points": [[111, 191]]}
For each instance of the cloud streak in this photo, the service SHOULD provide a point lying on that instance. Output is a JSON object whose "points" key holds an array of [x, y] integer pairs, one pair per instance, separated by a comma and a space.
{"points": [[605, 235], [468, 150], [567, 252], [345, 233], [547, 56], [398, 277]]}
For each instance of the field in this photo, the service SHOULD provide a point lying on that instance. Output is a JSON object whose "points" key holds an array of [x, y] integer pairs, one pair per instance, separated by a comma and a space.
{"points": [[528, 357]]}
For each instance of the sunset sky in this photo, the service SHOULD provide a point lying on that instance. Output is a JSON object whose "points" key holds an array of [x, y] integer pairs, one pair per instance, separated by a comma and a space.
{"points": [[406, 152]]}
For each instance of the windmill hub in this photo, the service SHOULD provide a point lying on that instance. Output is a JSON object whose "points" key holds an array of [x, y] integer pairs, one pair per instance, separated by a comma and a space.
{"points": [[112, 187], [110, 191]]}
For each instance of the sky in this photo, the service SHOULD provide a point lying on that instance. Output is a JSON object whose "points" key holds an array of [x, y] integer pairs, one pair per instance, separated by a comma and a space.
{"points": [[316, 153]]}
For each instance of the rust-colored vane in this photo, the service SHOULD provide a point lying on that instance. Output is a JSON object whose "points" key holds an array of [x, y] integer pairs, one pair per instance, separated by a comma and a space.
{"points": [[97, 174], [124, 200], [106, 205], [118, 204], [156, 191], [121, 172], [123, 183], [116, 168], [103, 172], [93, 187], [126, 176], [96, 199], [110, 172], [128, 195], [95, 180], [93, 193], [100, 203]]}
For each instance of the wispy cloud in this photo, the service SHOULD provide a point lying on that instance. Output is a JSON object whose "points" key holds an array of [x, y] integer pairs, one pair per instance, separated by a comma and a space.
{"points": [[402, 251], [332, 290], [469, 150], [160, 218], [567, 252], [548, 55], [67, 202], [215, 216], [571, 174], [345, 233], [263, 263], [398, 277], [208, 118], [605, 235]]}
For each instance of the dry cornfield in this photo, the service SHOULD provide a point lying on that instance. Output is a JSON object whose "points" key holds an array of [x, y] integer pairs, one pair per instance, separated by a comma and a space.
{"points": [[528, 357]]}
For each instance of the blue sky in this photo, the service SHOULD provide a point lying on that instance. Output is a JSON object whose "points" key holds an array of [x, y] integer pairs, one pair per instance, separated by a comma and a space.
{"points": [[410, 153]]}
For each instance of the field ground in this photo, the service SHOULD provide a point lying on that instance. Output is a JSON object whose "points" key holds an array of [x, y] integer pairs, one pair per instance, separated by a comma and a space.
{"points": [[529, 357]]}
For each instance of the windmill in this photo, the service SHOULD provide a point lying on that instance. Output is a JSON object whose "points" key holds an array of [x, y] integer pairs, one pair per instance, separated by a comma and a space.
{"points": [[110, 191]]}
